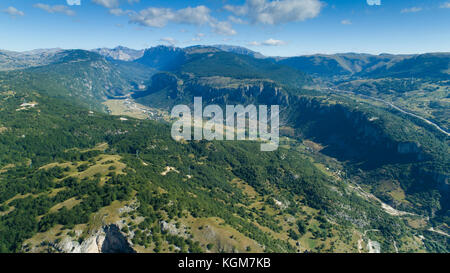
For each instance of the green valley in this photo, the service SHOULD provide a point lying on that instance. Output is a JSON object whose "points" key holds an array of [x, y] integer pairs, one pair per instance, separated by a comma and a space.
{"points": [[87, 160]]}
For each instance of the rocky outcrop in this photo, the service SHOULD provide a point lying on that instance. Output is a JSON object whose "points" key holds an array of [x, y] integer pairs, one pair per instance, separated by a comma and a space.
{"points": [[115, 241], [172, 229], [108, 239]]}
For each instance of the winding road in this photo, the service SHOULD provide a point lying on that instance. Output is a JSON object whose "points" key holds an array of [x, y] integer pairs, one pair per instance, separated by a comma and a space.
{"points": [[396, 108]]}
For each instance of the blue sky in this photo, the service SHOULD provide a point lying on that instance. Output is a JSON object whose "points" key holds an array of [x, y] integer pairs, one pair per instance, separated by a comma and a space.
{"points": [[276, 28]]}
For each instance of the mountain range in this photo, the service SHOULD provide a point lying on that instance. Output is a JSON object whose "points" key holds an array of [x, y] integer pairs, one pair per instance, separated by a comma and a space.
{"points": [[432, 65], [120, 53], [344, 64], [353, 174]]}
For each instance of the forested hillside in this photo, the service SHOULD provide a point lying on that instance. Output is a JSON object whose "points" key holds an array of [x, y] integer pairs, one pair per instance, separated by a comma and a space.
{"points": [[56, 177], [349, 175]]}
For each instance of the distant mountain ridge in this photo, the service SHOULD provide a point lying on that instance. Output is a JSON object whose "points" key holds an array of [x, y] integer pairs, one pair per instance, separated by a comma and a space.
{"points": [[10, 60], [120, 53], [218, 76], [162, 57], [83, 76], [240, 50], [432, 65], [207, 61]]}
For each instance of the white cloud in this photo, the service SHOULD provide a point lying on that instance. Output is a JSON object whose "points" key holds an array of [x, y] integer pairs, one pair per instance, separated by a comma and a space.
{"points": [[223, 28], [171, 41], [196, 16], [73, 2], [160, 17], [410, 10], [198, 37], [13, 11], [445, 5], [152, 17], [55, 9], [374, 2], [118, 12], [110, 4], [346, 22], [269, 42], [236, 20], [107, 3], [277, 12], [273, 42]]}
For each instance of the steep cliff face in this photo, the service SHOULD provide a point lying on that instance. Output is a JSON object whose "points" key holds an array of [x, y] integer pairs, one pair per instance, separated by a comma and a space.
{"points": [[108, 239], [163, 81], [231, 91], [115, 241], [377, 148], [218, 90], [350, 134], [441, 180]]}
